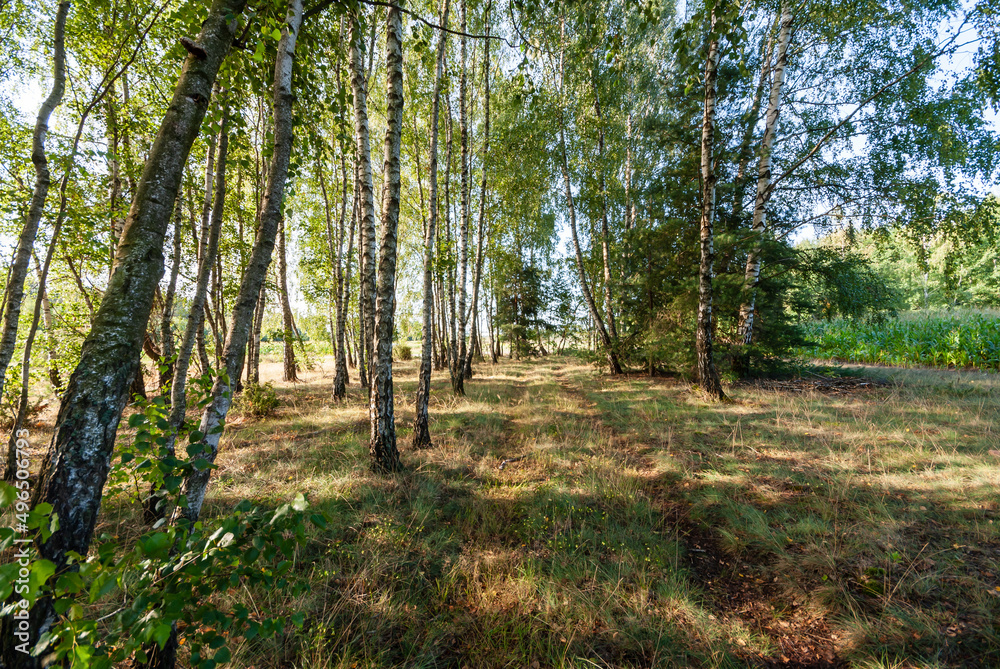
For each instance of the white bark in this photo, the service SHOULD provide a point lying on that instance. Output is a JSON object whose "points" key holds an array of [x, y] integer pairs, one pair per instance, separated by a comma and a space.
{"points": [[752, 273]]}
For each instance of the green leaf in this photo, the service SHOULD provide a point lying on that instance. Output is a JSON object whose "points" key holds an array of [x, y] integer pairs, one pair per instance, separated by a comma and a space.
{"points": [[155, 545], [8, 494], [276, 34], [41, 570], [161, 633]]}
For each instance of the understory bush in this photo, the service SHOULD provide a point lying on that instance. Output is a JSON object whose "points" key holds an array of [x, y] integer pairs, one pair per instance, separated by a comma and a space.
{"points": [[127, 594], [258, 400]]}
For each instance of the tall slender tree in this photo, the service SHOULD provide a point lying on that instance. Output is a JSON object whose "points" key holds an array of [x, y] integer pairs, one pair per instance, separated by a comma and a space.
{"points": [[288, 328], [458, 370], [588, 295], [214, 416], [482, 192], [421, 429], [752, 274], [26, 240], [366, 244], [708, 376], [384, 452]]}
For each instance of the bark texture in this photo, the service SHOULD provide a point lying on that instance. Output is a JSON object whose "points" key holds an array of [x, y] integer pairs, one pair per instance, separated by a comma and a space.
{"points": [[26, 240], [708, 376], [214, 416], [79, 455], [384, 453], [421, 429]]}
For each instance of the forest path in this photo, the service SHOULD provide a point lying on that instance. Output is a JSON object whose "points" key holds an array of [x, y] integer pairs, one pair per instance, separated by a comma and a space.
{"points": [[642, 527]]}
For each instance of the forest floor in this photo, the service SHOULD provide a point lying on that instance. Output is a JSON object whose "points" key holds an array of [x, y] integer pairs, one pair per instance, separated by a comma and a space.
{"points": [[569, 518]]}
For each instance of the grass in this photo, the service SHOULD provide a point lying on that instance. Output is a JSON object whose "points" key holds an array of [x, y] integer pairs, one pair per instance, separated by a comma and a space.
{"points": [[935, 339], [642, 527]]}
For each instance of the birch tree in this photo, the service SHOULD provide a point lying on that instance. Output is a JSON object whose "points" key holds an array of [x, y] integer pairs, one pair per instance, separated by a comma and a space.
{"points": [[26, 240], [384, 452], [708, 376], [421, 430], [74, 472], [214, 417]]}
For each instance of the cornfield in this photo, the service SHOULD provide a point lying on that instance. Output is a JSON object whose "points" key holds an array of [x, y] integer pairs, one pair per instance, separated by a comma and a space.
{"points": [[960, 341]]}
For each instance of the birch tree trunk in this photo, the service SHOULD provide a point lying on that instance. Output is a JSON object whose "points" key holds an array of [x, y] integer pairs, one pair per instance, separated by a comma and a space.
{"points": [[26, 241], [482, 197], [588, 296], [450, 267], [214, 417], [421, 430], [206, 212], [288, 339], [21, 413], [366, 245], [152, 508], [708, 376], [752, 273], [605, 232], [384, 453], [166, 323], [629, 204], [253, 373], [458, 377], [750, 125], [340, 380], [55, 378], [79, 455]]}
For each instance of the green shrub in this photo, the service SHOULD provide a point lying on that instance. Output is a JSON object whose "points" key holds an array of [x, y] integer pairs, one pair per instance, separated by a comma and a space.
{"points": [[258, 400], [936, 341], [404, 352], [174, 572]]}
